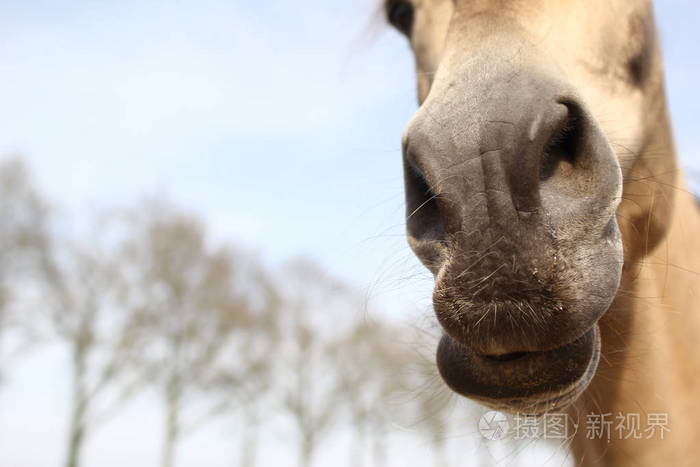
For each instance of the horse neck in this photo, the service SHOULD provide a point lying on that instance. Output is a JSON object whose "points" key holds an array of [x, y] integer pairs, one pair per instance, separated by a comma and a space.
{"points": [[650, 361]]}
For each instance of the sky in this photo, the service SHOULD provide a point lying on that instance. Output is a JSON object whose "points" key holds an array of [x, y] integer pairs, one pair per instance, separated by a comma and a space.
{"points": [[278, 121]]}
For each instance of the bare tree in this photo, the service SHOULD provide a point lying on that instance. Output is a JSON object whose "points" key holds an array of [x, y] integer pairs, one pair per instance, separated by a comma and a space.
{"points": [[372, 361], [82, 290], [430, 408], [316, 312], [193, 311], [243, 380], [436, 416], [23, 236]]}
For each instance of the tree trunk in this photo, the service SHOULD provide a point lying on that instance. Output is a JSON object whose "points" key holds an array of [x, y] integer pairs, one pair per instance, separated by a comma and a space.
{"points": [[171, 428], [358, 446], [379, 449], [77, 428], [306, 450], [75, 440], [249, 442], [440, 451]]}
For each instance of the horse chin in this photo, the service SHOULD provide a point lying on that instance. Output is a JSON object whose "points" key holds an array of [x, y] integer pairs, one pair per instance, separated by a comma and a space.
{"points": [[527, 382]]}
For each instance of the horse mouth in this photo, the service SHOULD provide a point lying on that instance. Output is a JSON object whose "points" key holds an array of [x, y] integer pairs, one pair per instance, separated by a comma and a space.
{"points": [[526, 382]]}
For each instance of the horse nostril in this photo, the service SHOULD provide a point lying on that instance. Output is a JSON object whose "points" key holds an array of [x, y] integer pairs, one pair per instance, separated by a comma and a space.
{"points": [[423, 218], [560, 154]]}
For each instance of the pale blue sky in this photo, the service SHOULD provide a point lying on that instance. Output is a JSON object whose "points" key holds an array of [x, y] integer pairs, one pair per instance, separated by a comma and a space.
{"points": [[278, 120]]}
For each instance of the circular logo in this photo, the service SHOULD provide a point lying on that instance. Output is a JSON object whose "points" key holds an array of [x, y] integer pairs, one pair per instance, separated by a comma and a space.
{"points": [[493, 426]]}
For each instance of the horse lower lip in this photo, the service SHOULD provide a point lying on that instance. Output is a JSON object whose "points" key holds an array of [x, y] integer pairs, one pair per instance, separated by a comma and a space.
{"points": [[514, 378]]}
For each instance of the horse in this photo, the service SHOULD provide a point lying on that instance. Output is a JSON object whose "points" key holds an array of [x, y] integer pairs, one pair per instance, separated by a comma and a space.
{"points": [[544, 195]]}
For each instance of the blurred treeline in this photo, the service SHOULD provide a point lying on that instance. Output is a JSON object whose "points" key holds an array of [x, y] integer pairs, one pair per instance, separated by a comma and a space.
{"points": [[143, 300]]}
